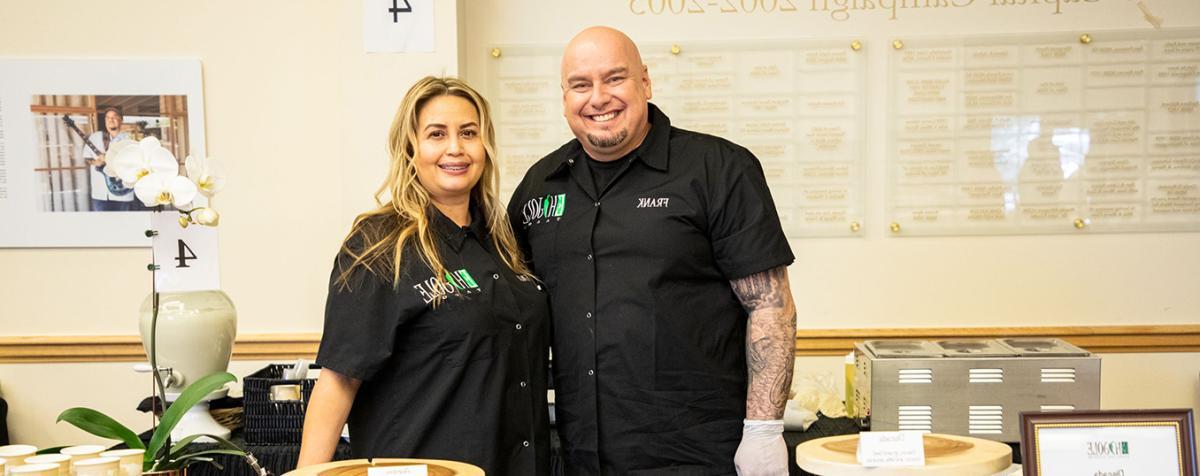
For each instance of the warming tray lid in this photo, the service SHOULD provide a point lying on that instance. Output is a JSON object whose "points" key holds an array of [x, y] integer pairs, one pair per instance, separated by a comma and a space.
{"points": [[1043, 346], [975, 348], [892, 349]]}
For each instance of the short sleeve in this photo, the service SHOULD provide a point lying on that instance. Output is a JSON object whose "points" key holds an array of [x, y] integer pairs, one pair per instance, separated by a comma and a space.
{"points": [[744, 226], [361, 320]]}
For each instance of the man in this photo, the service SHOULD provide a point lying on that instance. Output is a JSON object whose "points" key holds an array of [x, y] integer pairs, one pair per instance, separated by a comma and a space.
{"points": [[106, 198], [673, 321]]}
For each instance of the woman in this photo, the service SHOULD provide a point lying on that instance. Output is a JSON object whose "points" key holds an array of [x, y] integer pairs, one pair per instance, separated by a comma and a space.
{"points": [[435, 331]]}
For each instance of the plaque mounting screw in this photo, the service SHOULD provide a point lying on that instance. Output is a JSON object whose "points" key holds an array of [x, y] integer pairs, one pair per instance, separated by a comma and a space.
{"points": [[897, 44], [856, 45], [1080, 223], [1085, 38], [895, 227], [854, 227], [675, 49], [495, 52]]}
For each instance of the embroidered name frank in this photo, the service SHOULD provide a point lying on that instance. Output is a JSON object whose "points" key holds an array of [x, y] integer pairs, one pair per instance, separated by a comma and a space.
{"points": [[653, 202]]}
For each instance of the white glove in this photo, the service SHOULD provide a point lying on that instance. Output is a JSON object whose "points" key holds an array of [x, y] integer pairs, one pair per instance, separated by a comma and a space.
{"points": [[762, 451]]}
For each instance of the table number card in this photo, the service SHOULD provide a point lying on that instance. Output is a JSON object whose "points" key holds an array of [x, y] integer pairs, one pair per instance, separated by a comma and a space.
{"points": [[891, 448], [186, 257]]}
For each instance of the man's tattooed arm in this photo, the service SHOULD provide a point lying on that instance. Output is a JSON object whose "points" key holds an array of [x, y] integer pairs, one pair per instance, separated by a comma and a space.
{"points": [[770, 340]]}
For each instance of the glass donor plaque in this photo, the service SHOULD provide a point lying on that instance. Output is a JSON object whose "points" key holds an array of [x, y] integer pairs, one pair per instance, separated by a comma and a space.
{"points": [[1045, 134], [798, 106]]}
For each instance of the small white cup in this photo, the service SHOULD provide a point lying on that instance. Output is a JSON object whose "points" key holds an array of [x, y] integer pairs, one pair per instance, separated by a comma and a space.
{"points": [[131, 460], [63, 461], [80, 453], [15, 455], [45, 469], [97, 467], [2, 462]]}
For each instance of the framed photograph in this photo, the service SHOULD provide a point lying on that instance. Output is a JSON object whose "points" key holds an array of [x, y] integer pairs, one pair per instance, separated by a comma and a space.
{"points": [[1108, 443], [58, 117]]}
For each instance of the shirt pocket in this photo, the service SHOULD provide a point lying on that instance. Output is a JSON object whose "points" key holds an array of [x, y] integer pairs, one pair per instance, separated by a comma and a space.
{"points": [[543, 244], [461, 349]]}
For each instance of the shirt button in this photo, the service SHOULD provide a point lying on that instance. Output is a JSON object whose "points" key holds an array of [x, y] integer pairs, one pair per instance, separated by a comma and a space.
{"points": [[588, 315], [523, 384], [525, 443], [518, 327], [539, 287], [591, 372], [589, 257], [495, 276], [597, 204], [570, 161]]}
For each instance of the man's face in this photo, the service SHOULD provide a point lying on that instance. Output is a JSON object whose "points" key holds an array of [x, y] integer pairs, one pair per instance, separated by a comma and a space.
{"points": [[112, 121], [605, 94]]}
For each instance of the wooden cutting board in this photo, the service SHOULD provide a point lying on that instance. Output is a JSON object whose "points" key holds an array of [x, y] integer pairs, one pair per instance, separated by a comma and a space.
{"points": [[945, 455], [358, 467]]}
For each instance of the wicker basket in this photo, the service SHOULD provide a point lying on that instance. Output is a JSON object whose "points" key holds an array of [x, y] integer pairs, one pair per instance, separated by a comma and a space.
{"points": [[274, 422]]}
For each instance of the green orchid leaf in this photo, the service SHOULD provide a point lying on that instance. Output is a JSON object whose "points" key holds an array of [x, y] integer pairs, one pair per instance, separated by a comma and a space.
{"points": [[222, 443], [51, 450], [189, 398], [100, 425]]}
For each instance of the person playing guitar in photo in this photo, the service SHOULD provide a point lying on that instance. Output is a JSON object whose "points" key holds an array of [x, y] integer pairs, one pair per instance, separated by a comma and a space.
{"points": [[108, 194]]}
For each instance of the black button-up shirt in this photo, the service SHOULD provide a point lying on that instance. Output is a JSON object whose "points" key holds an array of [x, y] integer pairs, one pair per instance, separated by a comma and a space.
{"points": [[649, 338], [464, 381]]}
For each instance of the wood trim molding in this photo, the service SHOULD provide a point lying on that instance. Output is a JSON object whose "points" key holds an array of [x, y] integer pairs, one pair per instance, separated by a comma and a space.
{"points": [[32, 349], [1099, 339], [809, 342]]}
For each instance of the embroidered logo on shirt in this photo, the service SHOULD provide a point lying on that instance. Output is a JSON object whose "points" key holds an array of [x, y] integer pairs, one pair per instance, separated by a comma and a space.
{"points": [[653, 202], [455, 282], [544, 209]]}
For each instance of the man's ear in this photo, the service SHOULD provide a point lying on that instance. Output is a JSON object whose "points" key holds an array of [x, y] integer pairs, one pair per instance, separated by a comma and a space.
{"points": [[646, 84]]}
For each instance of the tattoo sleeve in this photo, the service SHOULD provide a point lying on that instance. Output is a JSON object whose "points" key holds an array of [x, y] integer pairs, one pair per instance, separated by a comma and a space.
{"points": [[770, 340]]}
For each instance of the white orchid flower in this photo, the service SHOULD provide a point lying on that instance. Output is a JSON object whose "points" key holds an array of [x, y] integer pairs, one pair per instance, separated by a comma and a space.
{"points": [[160, 188], [206, 216], [130, 161], [204, 172]]}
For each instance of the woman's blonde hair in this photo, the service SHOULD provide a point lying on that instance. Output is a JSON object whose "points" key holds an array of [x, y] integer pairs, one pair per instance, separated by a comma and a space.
{"points": [[403, 217]]}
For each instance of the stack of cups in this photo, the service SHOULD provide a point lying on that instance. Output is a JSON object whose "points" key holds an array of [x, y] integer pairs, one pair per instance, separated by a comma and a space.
{"points": [[14, 455], [131, 460], [98, 467], [80, 453], [62, 461], [46, 469]]}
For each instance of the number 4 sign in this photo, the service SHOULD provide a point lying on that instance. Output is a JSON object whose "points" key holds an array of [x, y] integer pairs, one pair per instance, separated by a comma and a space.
{"points": [[186, 257]]}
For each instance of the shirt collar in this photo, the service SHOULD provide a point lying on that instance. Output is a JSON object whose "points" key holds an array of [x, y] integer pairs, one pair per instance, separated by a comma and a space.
{"points": [[455, 235], [652, 151]]}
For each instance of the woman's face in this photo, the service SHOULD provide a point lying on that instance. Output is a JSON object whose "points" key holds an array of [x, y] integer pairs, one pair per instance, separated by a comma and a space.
{"points": [[450, 152]]}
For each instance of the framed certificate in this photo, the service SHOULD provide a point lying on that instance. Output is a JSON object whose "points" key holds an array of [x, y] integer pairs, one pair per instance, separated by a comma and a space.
{"points": [[1109, 443]]}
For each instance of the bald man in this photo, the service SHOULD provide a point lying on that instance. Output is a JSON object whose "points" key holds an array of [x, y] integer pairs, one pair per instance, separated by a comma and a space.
{"points": [[667, 267]]}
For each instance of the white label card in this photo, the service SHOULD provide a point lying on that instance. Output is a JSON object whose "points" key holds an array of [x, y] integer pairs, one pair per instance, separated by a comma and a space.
{"points": [[891, 448], [398, 26], [407, 470], [186, 257]]}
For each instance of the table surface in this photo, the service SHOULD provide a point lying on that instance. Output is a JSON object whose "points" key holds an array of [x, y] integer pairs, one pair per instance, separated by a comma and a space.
{"points": [[279, 459]]}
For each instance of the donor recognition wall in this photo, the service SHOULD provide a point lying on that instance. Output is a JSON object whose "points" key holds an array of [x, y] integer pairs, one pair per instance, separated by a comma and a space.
{"points": [[799, 107], [1045, 133], [1002, 134]]}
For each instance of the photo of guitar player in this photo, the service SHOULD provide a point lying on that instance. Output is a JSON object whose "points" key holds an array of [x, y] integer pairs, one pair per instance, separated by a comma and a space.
{"points": [[75, 132]]}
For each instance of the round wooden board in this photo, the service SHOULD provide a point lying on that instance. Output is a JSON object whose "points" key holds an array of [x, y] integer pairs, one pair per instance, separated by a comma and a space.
{"points": [[935, 445], [946, 455], [358, 467]]}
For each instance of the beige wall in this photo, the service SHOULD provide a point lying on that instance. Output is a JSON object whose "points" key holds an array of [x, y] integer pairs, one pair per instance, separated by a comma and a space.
{"points": [[298, 115]]}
